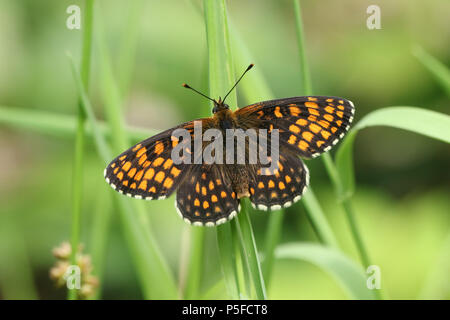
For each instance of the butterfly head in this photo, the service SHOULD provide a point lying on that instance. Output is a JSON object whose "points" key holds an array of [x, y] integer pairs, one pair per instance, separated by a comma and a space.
{"points": [[220, 105]]}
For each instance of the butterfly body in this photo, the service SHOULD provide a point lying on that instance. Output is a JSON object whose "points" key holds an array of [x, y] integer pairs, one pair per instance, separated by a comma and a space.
{"points": [[208, 193]]}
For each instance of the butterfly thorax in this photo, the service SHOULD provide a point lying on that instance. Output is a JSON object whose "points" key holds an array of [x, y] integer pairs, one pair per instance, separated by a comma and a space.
{"points": [[226, 119]]}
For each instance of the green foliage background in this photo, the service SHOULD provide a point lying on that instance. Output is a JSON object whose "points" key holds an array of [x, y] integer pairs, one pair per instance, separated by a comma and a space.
{"points": [[141, 53]]}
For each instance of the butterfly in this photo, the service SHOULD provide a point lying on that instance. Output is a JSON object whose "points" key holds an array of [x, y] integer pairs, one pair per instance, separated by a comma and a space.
{"points": [[208, 194]]}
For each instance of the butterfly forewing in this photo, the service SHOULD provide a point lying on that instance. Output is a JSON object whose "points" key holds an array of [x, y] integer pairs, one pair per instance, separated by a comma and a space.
{"points": [[147, 170], [308, 126]]}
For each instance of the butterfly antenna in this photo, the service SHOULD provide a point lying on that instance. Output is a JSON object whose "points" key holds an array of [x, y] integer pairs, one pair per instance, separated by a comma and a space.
{"points": [[188, 87], [248, 68]]}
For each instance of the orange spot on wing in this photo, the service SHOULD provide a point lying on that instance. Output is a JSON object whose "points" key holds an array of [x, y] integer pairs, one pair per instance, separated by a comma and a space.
{"points": [[152, 189], [324, 123], [314, 128], [197, 203], [126, 166], [314, 112], [142, 159], [325, 134], [205, 204], [157, 162], [159, 147], [139, 175], [123, 157], [333, 129], [168, 163], [141, 152], [329, 109], [168, 183], [271, 184], [294, 110], [214, 198], [307, 135], [312, 99], [303, 145], [175, 172], [340, 107], [211, 185], [137, 147], [133, 186], [292, 139], [311, 105], [302, 122], [329, 100], [287, 178], [328, 117], [143, 185], [294, 128], [149, 174], [125, 183], [223, 194], [277, 112], [159, 176], [281, 185], [261, 185], [273, 195], [197, 187], [319, 143], [131, 172], [120, 175], [340, 114], [204, 191]]}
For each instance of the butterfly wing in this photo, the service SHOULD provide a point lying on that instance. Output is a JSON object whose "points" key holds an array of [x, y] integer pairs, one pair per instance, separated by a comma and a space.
{"points": [[282, 187], [308, 126], [205, 197], [147, 170]]}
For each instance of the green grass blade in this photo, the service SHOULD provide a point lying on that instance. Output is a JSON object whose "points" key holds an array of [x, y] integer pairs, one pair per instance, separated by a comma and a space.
{"points": [[349, 275], [425, 122], [221, 77], [251, 252], [154, 274], [435, 67], [304, 70], [77, 174], [195, 265], [59, 125]]}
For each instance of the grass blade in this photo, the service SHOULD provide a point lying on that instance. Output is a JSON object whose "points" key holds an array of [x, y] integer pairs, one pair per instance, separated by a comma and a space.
{"points": [[77, 174], [221, 79], [349, 275], [152, 269], [435, 67], [425, 122]]}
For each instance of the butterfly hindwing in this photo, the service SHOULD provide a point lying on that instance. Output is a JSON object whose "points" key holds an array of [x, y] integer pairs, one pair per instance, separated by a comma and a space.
{"points": [[280, 187], [308, 125], [205, 197]]}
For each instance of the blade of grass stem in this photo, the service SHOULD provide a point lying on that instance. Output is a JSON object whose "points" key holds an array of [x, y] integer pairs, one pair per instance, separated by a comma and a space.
{"points": [[251, 252], [435, 67], [99, 236], [326, 158], [77, 174], [220, 80], [154, 274], [195, 266], [59, 125]]}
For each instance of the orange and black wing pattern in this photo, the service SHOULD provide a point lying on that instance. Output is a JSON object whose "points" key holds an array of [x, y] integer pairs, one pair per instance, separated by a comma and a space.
{"points": [[206, 198], [147, 170], [308, 125]]}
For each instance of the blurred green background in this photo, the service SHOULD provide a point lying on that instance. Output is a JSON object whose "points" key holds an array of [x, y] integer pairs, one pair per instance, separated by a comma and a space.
{"points": [[402, 196]]}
